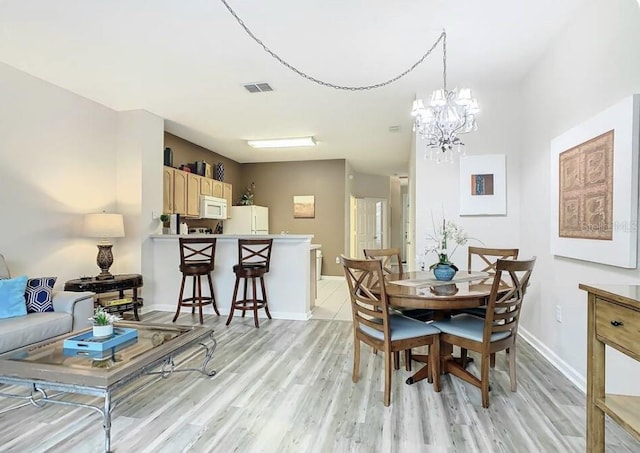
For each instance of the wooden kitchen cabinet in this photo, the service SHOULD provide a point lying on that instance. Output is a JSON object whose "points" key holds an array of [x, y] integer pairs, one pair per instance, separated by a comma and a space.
{"points": [[228, 195], [193, 195], [218, 188], [206, 186], [180, 192], [613, 319], [167, 190]]}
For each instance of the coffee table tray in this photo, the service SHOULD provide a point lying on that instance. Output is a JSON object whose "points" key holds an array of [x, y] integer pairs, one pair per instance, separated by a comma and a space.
{"points": [[86, 342]]}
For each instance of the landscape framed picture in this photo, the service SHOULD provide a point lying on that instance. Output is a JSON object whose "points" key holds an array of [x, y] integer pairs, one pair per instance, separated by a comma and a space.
{"points": [[304, 206], [483, 188], [594, 187]]}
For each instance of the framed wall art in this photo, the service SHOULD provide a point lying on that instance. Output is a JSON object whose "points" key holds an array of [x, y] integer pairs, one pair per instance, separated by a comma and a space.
{"points": [[594, 187], [483, 185], [304, 206]]}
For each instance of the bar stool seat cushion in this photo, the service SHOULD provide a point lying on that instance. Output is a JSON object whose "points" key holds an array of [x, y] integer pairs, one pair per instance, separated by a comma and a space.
{"points": [[250, 270]]}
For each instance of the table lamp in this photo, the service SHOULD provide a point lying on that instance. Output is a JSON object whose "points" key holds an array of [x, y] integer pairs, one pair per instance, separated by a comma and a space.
{"points": [[104, 226]]}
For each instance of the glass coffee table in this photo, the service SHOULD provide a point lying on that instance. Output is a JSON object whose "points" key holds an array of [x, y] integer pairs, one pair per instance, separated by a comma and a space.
{"points": [[48, 366]]}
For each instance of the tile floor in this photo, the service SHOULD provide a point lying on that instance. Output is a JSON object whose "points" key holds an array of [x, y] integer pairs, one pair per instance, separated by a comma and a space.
{"points": [[333, 300]]}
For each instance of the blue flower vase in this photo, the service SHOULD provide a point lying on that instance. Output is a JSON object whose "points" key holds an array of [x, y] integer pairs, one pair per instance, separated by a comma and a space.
{"points": [[444, 272]]}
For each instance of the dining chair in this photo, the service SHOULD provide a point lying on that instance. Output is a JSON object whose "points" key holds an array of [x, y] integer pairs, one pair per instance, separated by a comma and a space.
{"points": [[390, 261], [499, 328], [392, 264], [484, 260], [375, 325]]}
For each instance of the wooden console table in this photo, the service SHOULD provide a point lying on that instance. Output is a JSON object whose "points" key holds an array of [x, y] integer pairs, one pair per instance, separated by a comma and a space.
{"points": [[120, 283], [614, 320]]}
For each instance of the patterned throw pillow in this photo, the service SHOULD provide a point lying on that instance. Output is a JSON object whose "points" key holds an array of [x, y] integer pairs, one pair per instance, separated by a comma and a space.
{"points": [[38, 294]]}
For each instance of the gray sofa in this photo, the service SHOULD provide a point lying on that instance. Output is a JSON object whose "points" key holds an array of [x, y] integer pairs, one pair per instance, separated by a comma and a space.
{"points": [[71, 311]]}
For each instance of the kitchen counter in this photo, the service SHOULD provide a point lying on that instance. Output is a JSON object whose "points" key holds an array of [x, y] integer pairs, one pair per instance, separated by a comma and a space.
{"points": [[289, 286]]}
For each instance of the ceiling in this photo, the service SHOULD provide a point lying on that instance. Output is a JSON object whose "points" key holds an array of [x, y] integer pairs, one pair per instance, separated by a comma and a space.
{"points": [[187, 61]]}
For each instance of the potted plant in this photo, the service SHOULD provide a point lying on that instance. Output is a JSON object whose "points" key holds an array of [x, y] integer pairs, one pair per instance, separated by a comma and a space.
{"points": [[247, 197], [164, 218], [103, 323], [442, 237]]}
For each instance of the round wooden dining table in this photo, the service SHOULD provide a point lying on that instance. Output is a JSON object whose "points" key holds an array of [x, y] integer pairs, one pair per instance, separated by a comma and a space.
{"points": [[419, 290]]}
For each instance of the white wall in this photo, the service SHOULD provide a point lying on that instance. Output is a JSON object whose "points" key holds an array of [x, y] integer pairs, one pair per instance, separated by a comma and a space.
{"points": [[139, 157], [592, 65], [62, 156], [56, 164], [436, 185]]}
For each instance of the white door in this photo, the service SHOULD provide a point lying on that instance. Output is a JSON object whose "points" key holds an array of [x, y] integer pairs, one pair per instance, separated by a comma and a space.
{"points": [[371, 224], [406, 228]]}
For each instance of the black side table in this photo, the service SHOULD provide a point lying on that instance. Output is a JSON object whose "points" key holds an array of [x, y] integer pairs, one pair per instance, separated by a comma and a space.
{"points": [[119, 283]]}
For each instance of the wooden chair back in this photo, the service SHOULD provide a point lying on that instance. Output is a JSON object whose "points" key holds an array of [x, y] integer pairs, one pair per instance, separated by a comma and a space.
{"points": [[503, 310], [369, 308], [487, 257], [197, 255], [255, 253], [391, 262]]}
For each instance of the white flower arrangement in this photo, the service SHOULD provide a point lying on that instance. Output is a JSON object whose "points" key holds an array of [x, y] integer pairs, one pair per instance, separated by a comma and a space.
{"points": [[441, 238], [102, 318]]}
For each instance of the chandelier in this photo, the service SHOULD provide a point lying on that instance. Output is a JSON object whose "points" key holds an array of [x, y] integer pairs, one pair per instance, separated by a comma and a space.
{"points": [[450, 113]]}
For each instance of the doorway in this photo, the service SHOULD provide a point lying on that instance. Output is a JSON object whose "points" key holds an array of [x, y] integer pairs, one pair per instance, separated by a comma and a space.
{"points": [[370, 230]]}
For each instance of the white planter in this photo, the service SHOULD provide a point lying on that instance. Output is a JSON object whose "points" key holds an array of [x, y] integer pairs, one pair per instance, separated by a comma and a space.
{"points": [[102, 331]]}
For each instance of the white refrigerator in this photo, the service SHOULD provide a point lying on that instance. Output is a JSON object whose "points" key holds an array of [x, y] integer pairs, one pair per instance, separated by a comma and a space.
{"points": [[247, 220]]}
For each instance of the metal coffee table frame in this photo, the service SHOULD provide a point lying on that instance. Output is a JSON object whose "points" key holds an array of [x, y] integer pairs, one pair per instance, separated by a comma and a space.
{"points": [[147, 364]]}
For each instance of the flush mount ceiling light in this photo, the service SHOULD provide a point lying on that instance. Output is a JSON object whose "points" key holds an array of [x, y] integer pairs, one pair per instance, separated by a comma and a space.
{"points": [[294, 142]]}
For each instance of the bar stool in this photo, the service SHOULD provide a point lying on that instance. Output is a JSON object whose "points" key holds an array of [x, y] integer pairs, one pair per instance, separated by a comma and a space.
{"points": [[254, 256], [197, 256]]}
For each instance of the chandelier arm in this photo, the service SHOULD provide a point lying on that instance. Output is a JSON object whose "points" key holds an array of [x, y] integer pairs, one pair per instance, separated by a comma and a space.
{"points": [[442, 37]]}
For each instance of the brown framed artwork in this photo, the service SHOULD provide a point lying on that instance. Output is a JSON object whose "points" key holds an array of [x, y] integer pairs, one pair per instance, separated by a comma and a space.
{"points": [[304, 206], [586, 189], [594, 181]]}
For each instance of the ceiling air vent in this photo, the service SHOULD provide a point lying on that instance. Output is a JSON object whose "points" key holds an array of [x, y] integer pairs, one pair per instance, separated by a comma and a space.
{"points": [[257, 87]]}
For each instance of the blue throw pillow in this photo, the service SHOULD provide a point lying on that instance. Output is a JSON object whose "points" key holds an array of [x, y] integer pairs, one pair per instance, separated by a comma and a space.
{"points": [[12, 297], [38, 294]]}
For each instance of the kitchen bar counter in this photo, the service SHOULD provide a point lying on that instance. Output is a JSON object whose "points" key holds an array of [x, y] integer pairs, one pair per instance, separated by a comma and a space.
{"points": [[289, 286]]}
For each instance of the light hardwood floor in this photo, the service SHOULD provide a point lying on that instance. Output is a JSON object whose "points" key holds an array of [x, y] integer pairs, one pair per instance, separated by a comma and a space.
{"points": [[286, 387]]}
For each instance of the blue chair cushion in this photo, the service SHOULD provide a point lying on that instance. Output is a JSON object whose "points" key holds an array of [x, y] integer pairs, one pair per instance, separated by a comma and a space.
{"points": [[467, 326], [402, 328]]}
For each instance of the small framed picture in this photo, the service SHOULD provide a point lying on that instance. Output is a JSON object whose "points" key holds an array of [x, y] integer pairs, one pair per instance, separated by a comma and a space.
{"points": [[304, 206], [483, 185]]}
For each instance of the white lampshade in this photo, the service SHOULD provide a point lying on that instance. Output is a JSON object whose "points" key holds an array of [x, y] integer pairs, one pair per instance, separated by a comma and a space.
{"points": [[103, 225]]}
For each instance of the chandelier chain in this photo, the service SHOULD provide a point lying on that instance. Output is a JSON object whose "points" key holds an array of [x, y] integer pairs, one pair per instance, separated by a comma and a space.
{"points": [[442, 38], [444, 60]]}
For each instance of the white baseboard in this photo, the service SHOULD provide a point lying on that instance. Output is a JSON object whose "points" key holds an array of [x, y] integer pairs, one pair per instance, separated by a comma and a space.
{"points": [[570, 373], [225, 312], [332, 277]]}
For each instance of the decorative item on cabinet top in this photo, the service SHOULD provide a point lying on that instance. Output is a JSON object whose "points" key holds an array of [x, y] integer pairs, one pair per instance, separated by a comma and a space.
{"points": [[168, 157], [219, 171]]}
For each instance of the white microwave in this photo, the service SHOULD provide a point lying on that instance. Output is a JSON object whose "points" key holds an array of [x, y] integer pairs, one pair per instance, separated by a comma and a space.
{"points": [[212, 207]]}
